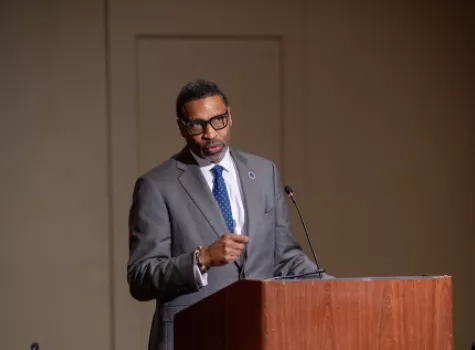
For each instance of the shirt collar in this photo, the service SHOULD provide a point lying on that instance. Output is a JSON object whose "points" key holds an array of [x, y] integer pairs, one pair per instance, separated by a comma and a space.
{"points": [[205, 164]]}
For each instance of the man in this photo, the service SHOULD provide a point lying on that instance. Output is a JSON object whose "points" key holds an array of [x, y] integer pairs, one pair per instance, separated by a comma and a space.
{"points": [[206, 217]]}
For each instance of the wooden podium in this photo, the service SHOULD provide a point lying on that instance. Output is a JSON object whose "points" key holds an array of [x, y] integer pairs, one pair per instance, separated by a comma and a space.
{"points": [[344, 314]]}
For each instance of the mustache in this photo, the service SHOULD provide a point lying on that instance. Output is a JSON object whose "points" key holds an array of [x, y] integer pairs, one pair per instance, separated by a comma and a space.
{"points": [[212, 143]]}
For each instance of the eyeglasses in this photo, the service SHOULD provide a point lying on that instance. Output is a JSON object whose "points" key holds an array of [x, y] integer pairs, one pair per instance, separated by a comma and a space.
{"points": [[198, 126]]}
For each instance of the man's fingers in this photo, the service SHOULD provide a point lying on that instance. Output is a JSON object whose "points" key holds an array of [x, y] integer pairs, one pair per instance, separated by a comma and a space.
{"points": [[239, 238], [235, 245], [228, 248], [230, 258], [232, 251]]}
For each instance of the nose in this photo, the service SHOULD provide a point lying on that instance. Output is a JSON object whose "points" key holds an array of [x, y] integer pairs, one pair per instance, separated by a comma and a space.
{"points": [[209, 133]]}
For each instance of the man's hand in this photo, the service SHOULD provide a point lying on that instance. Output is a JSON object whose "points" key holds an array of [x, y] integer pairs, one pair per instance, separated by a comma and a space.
{"points": [[224, 250]]}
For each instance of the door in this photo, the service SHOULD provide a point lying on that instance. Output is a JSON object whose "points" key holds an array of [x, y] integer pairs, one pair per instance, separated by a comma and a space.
{"points": [[252, 50]]}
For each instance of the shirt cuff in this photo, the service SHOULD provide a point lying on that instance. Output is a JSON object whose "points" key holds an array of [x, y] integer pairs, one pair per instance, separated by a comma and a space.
{"points": [[201, 278]]}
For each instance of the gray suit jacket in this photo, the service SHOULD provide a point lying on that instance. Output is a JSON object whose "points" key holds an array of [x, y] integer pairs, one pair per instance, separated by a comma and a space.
{"points": [[173, 212]]}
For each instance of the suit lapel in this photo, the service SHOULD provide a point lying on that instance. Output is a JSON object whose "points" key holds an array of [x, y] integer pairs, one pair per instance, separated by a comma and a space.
{"points": [[251, 192], [195, 185]]}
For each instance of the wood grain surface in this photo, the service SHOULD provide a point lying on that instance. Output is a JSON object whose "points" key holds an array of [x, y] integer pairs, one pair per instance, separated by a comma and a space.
{"points": [[377, 314], [359, 314]]}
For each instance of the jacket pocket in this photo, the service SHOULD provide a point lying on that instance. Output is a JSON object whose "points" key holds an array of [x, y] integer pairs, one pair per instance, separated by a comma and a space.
{"points": [[267, 217]]}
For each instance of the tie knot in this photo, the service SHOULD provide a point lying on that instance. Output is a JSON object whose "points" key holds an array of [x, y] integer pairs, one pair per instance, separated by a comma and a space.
{"points": [[217, 171]]}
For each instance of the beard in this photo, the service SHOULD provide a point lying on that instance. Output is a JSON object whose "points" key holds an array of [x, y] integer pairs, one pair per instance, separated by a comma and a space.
{"points": [[213, 151]]}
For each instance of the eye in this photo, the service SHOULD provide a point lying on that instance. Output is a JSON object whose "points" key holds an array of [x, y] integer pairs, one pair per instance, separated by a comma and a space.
{"points": [[195, 122], [219, 122]]}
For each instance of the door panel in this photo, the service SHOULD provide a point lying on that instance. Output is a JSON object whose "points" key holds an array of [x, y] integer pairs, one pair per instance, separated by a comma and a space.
{"points": [[252, 50]]}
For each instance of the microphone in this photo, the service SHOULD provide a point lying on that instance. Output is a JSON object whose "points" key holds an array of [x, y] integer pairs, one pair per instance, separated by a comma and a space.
{"points": [[290, 194], [35, 346]]}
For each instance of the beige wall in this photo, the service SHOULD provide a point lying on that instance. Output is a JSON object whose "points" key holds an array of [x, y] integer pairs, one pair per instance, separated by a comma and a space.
{"points": [[388, 104], [54, 248]]}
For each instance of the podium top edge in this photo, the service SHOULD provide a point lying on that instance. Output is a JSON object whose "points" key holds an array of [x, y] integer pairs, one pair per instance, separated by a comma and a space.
{"points": [[346, 279]]}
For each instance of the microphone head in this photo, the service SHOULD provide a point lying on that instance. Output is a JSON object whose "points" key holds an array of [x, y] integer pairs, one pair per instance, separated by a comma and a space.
{"points": [[288, 190], [35, 346]]}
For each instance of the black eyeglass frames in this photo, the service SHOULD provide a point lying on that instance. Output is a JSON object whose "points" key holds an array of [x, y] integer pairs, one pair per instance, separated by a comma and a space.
{"points": [[198, 126]]}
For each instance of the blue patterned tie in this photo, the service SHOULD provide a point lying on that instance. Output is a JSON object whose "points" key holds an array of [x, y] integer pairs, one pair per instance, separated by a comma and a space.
{"points": [[221, 195]]}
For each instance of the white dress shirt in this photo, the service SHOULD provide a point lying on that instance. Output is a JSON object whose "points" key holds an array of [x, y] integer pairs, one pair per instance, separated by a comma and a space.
{"points": [[233, 186]]}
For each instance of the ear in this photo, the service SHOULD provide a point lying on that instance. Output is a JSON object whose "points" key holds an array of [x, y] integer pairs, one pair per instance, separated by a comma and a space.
{"points": [[230, 118], [182, 128]]}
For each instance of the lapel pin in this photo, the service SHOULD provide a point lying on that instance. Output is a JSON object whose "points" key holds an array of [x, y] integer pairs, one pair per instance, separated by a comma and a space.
{"points": [[252, 175]]}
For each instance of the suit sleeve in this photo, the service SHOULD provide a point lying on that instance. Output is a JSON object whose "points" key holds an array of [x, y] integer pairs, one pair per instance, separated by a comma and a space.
{"points": [[151, 271], [288, 255]]}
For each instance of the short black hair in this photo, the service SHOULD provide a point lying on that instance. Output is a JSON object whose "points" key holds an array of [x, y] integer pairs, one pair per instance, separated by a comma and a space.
{"points": [[196, 90]]}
